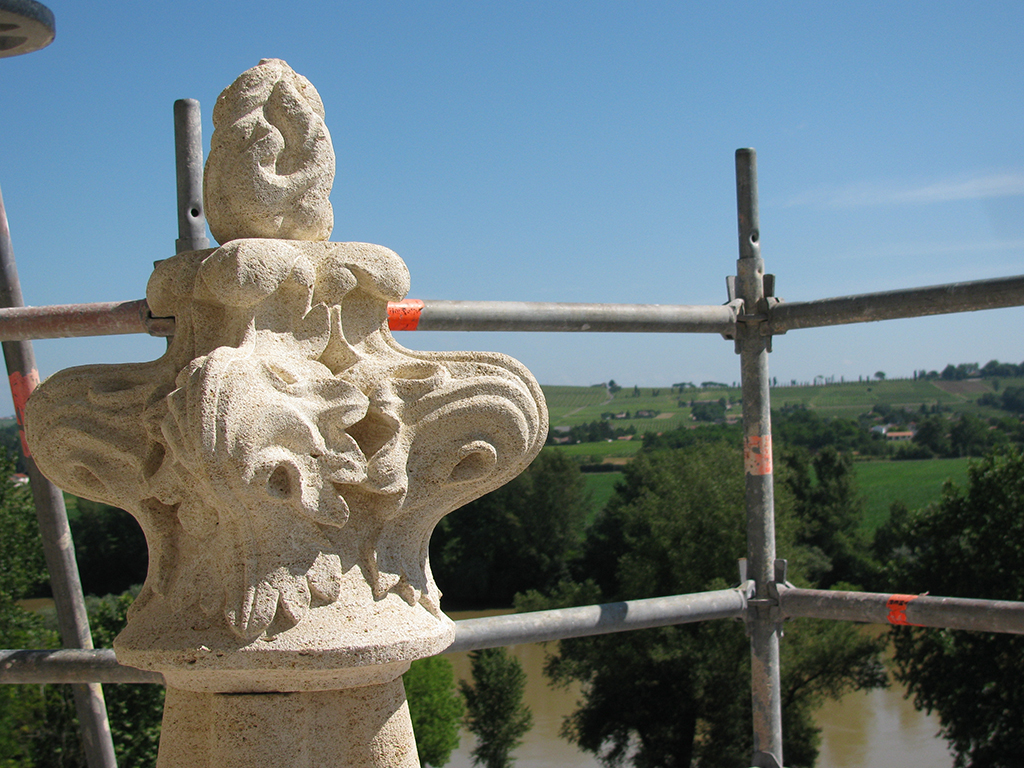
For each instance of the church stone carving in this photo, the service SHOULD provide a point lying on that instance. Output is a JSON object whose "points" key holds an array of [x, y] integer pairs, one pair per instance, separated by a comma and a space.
{"points": [[286, 458]]}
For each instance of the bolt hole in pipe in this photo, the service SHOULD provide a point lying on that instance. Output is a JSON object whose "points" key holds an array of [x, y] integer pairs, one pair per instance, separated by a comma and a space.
{"points": [[194, 213], [754, 236]]}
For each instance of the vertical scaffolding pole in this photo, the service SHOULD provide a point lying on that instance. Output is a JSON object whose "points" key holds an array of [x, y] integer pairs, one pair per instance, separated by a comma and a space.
{"points": [[757, 455], [72, 620], [188, 161]]}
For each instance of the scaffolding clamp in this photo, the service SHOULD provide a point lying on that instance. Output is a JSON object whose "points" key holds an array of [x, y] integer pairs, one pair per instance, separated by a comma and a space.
{"points": [[771, 605], [775, 613], [155, 326], [735, 302], [762, 314]]}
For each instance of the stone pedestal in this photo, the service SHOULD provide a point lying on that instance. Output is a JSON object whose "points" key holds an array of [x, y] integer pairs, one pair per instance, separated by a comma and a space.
{"points": [[286, 459], [365, 727]]}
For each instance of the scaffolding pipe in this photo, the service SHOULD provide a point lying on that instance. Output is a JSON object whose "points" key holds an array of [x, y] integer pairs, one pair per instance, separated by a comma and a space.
{"points": [[20, 667], [893, 305], [904, 610], [563, 623], [565, 317], [757, 459], [25, 666], [58, 549], [109, 318], [115, 317], [101, 666], [188, 161], [63, 321]]}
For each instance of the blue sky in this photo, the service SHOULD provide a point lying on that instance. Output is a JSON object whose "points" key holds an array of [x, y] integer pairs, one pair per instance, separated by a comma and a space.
{"points": [[551, 151]]}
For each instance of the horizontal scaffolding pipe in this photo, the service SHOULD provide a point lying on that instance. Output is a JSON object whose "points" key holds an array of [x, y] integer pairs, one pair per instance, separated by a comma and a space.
{"points": [[73, 320], [75, 666], [70, 666], [562, 317], [105, 319], [898, 610], [562, 623], [109, 318], [893, 305]]}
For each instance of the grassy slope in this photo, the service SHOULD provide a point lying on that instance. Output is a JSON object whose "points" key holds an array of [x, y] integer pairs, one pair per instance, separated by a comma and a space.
{"points": [[601, 486], [595, 453], [567, 406], [916, 483], [570, 406]]}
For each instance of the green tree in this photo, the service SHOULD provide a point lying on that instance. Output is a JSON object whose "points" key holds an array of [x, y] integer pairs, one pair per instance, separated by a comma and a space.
{"points": [[38, 724], [829, 510], [519, 537], [969, 436], [708, 410], [970, 544], [135, 711], [932, 433], [678, 696], [436, 708], [1013, 399], [10, 441], [496, 714], [48, 727], [22, 569], [800, 427], [110, 548]]}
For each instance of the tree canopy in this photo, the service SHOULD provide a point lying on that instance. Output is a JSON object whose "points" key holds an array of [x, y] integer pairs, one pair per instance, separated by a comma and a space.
{"points": [[519, 537], [21, 570], [679, 696], [436, 708], [970, 544], [828, 511]]}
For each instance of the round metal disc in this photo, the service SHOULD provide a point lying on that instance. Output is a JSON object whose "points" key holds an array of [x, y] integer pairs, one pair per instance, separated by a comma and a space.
{"points": [[25, 26]]}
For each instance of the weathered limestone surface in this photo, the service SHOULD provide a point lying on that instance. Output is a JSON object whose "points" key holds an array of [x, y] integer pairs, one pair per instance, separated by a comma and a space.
{"points": [[355, 726], [271, 163], [286, 458]]}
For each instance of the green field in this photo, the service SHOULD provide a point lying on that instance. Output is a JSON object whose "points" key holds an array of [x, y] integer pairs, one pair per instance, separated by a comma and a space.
{"points": [[570, 406], [601, 486], [852, 399], [916, 483], [595, 453], [565, 402]]}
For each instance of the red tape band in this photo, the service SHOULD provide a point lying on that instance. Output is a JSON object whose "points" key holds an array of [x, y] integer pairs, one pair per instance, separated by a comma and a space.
{"points": [[404, 315], [21, 388], [757, 455], [897, 605]]}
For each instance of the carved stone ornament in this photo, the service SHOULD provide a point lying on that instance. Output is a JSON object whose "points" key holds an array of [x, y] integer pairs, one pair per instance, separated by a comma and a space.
{"points": [[286, 458]]}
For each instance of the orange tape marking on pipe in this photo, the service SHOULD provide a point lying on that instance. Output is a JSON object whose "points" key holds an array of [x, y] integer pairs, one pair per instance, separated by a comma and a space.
{"points": [[897, 605], [757, 455], [404, 315], [21, 388]]}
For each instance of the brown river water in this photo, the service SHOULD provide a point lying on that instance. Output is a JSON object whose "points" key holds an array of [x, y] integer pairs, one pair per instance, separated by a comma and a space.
{"points": [[873, 729]]}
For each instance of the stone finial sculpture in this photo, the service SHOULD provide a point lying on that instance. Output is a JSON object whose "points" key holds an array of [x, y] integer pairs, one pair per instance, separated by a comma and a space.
{"points": [[286, 458]]}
